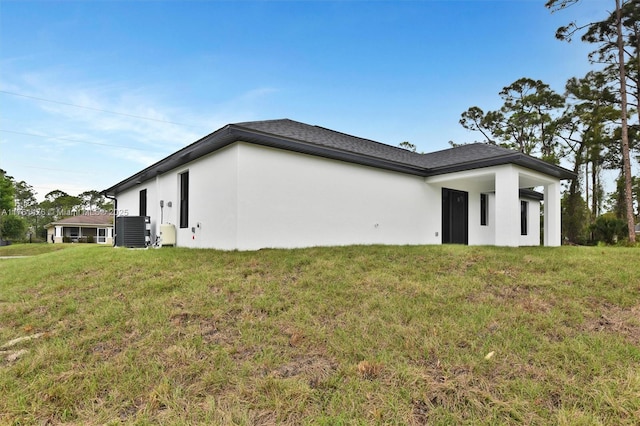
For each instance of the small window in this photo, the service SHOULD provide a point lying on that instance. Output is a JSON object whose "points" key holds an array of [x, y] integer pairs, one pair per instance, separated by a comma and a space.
{"points": [[184, 200], [484, 209], [524, 216], [143, 202]]}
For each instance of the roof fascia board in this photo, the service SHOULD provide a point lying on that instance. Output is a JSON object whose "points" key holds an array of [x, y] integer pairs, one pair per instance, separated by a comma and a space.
{"points": [[212, 142], [470, 165], [83, 225], [265, 139], [530, 193], [515, 158], [234, 133], [544, 167]]}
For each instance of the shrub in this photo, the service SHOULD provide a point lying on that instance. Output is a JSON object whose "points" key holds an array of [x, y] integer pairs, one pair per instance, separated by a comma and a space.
{"points": [[13, 227], [608, 229]]}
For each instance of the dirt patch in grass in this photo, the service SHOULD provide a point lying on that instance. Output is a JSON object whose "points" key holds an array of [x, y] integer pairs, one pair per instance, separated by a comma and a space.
{"points": [[529, 298], [465, 392], [456, 390], [106, 350], [314, 368], [614, 319]]}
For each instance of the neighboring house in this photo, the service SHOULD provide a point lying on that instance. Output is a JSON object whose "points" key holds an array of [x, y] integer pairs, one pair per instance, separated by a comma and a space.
{"points": [[88, 228], [281, 183]]}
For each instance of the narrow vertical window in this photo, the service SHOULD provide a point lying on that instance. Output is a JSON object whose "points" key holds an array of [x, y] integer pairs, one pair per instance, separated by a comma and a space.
{"points": [[524, 216], [184, 200], [143, 202], [484, 209]]}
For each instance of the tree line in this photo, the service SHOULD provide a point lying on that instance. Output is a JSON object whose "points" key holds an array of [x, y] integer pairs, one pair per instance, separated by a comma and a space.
{"points": [[594, 125], [22, 217]]}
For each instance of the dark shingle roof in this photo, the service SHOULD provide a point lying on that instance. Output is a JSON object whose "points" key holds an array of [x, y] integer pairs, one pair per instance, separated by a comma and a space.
{"points": [[464, 154], [328, 138], [315, 140], [463, 157]]}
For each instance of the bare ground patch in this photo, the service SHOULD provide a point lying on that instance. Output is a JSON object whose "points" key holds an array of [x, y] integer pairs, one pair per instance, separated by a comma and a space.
{"points": [[614, 319], [527, 297], [466, 389], [314, 368]]}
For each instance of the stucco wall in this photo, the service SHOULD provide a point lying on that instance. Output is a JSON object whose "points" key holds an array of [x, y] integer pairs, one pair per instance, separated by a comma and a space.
{"points": [[288, 199], [481, 234], [213, 201], [485, 234], [533, 235], [248, 197]]}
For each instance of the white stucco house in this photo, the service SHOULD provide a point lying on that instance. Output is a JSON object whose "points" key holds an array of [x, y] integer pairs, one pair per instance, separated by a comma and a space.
{"points": [[282, 183]]}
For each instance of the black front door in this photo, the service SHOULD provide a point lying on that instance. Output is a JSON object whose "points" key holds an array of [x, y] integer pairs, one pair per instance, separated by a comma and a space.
{"points": [[455, 214]]}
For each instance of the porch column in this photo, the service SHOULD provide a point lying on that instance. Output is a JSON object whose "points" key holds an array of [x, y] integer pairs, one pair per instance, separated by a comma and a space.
{"points": [[57, 237], [552, 217], [507, 222]]}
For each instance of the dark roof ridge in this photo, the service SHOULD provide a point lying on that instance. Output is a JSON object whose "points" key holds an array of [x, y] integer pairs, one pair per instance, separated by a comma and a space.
{"points": [[368, 140], [471, 144], [242, 124], [363, 147], [273, 120]]}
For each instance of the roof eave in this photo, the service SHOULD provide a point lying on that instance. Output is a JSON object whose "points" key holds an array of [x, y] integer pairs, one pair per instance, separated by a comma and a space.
{"points": [[544, 167], [234, 133], [295, 145], [515, 158], [203, 146], [531, 194], [86, 225]]}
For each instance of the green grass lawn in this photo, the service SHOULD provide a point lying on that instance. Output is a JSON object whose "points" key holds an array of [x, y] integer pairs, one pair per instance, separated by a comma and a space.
{"points": [[350, 335]]}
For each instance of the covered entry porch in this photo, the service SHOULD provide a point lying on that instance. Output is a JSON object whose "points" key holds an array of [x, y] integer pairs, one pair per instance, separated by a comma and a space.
{"points": [[81, 234], [496, 206]]}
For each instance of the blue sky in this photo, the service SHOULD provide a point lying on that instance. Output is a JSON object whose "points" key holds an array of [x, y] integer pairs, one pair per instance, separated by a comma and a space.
{"points": [[390, 71]]}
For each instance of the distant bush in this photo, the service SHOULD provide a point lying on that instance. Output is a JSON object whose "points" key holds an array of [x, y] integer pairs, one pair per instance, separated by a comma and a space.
{"points": [[13, 227], [609, 230]]}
